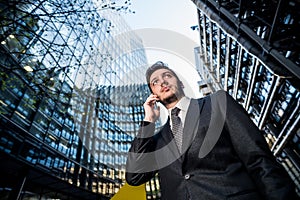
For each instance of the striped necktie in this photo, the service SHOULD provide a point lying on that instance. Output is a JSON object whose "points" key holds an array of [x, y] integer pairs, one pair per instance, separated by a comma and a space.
{"points": [[177, 127]]}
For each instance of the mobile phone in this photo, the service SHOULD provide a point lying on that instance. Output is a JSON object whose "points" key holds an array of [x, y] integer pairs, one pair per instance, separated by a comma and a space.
{"points": [[156, 103]]}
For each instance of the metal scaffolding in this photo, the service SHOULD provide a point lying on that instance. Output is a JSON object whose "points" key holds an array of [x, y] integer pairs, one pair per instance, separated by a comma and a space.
{"points": [[251, 50]]}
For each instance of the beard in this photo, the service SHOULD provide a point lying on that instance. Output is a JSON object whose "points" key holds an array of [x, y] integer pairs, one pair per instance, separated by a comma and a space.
{"points": [[173, 97]]}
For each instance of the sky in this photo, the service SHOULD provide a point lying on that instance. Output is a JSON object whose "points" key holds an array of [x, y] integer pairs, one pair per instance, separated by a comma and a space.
{"points": [[164, 27], [176, 15]]}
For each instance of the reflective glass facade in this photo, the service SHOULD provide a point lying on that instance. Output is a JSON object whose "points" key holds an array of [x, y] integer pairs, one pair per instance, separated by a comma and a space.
{"points": [[71, 94], [233, 55]]}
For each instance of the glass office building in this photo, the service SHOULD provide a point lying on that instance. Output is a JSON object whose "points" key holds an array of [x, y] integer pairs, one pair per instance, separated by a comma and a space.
{"points": [[251, 50], [71, 93]]}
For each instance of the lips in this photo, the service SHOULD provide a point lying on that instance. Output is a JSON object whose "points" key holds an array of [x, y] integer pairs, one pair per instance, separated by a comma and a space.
{"points": [[165, 89]]}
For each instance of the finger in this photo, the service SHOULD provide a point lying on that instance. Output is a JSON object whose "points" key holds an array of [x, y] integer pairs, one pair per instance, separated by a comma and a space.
{"points": [[155, 97], [151, 99]]}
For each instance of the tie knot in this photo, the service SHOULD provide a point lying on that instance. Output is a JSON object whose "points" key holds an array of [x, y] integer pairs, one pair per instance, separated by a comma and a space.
{"points": [[175, 111]]}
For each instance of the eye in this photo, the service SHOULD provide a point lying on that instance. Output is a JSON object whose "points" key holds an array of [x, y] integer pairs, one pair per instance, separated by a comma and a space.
{"points": [[168, 75], [154, 82]]}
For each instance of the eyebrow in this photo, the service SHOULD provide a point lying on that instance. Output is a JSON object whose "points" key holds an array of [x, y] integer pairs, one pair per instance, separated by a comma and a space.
{"points": [[167, 72]]}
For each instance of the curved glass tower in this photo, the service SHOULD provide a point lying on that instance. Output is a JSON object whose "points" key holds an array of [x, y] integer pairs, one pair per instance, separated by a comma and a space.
{"points": [[71, 93]]}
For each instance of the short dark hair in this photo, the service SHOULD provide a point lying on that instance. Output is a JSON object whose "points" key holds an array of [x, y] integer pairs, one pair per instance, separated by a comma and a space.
{"points": [[156, 66]]}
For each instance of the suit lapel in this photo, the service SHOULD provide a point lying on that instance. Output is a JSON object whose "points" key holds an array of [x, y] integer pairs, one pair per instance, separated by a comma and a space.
{"points": [[191, 123], [189, 132]]}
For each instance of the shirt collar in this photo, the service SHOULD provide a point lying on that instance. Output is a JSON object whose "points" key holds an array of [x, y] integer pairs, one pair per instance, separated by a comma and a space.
{"points": [[182, 104]]}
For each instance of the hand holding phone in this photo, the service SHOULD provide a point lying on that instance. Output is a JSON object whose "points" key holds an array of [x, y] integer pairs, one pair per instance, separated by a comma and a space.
{"points": [[152, 110]]}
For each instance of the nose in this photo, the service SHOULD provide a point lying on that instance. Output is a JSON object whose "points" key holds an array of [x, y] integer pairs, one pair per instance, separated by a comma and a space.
{"points": [[164, 82]]}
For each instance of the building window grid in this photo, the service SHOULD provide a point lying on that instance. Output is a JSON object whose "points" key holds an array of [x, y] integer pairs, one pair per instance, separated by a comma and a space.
{"points": [[283, 107], [51, 138], [245, 76]]}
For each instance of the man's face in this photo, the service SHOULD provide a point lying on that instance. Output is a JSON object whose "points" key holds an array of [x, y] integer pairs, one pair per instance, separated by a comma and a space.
{"points": [[166, 86]]}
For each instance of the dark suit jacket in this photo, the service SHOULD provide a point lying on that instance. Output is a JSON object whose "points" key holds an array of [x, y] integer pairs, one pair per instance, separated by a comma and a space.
{"points": [[224, 156]]}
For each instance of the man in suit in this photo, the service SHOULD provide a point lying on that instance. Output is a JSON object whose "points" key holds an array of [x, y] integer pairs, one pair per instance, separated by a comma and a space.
{"points": [[209, 149]]}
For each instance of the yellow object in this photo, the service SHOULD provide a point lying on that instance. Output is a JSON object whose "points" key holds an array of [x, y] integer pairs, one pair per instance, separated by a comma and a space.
{"points": [[128, 192]]}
